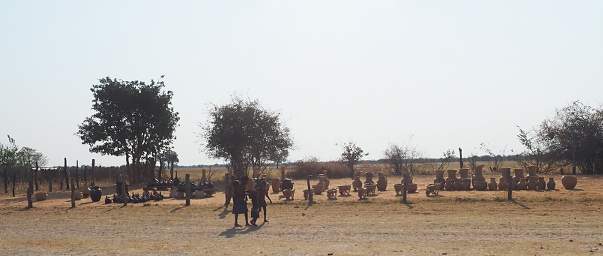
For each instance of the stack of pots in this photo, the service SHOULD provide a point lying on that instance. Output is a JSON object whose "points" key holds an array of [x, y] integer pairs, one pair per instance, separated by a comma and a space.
{"points": [[533, 179], [464, 183], [479, 182], [505, 179], [519, 180], [451, 180]]}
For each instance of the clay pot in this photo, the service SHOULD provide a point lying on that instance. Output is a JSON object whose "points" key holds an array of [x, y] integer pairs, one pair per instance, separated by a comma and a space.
{"points": [[541, 184], [480, 186], [95, 193], [551, 184], [532, 171], [382, 182], [40, 196], [398, 188], [464, 173], [569, 182], [451, 174], [357, 184], [412, 188], [518, 173], [276, 185], [492, 186]]}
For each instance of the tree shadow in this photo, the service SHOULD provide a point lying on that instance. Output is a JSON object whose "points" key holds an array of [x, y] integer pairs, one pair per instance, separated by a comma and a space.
{"points": [[520, 204], [407, 204], [177, 208], [232, 232]]}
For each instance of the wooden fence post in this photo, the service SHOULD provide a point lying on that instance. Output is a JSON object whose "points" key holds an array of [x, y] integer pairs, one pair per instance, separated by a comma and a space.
{"points": [[92, 173], [36, 184], [187, 188], [310, 194], [77, 174], [30, 188], [69, 179], [404, 188], [506, 173], [49, 175]]}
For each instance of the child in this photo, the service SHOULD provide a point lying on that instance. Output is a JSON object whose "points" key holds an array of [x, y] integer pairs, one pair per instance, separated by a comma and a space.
{"points": [[259, 200], [239, 202]]}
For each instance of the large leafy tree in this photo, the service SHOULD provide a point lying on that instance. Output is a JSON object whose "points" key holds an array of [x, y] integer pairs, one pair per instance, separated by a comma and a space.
{"points": [[351, 155], [575, 136], [246, 135], [134, 119]]}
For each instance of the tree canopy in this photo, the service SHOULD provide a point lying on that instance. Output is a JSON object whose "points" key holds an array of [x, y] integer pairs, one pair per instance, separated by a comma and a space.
{"points": [[246, 135], [131, 118], [351, 155], [575, 135]]}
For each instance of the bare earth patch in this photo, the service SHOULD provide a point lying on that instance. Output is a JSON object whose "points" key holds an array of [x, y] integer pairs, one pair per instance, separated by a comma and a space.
{"points": [[456, 223]]}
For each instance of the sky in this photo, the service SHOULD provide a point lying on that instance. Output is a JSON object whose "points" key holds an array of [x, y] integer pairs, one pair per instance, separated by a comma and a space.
{"points": [[430, 74]]}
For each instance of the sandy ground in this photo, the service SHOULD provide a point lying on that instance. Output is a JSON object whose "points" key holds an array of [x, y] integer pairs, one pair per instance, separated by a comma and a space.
{"points": [[559, 222]]}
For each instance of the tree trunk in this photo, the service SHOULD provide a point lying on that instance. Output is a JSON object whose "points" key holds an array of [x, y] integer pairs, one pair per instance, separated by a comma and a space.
{"points": [[36, 177], [5, 178], [172, 170], [65, 174], [30, 188], [77, 174], [14, 182]]}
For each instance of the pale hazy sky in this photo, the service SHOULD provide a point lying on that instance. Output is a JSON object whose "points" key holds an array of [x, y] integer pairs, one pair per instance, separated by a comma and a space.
{"points": [[434, 74]]}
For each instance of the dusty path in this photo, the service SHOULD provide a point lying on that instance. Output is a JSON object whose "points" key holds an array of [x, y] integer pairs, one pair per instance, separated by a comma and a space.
{"points": [[458, 223]]}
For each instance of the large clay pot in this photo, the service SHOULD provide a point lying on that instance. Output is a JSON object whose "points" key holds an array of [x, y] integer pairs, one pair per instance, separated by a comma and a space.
{"points": [[569, 182], [464, 173], [492, 186], [357, 184], [412, 188], [551, 184], [95, 193]]}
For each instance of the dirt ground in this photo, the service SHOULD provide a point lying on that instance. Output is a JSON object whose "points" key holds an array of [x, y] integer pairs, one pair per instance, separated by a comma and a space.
{"points": [[558, 222]]}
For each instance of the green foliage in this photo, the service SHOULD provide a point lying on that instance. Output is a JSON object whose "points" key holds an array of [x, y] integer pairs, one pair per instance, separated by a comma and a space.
{"points": [[575, 135], [246, 135], [131, 118]]}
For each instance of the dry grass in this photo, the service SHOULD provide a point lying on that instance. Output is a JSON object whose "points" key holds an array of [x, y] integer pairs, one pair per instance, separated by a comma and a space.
{"points": [[456, 223]]}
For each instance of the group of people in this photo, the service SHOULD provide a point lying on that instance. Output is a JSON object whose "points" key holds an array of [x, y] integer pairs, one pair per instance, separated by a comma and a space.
{"points": [[243, 189]]}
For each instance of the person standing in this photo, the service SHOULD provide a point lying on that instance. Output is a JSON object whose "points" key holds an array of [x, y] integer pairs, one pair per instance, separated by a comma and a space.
{"points": [[239, 200]]}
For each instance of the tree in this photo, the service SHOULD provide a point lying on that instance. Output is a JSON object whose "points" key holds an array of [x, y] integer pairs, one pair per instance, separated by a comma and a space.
{"points": [[575, 135], [246, 135], [401, 158], [171, 157], [536, 152], [351, 155], [447, 157], [131, 118]]}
